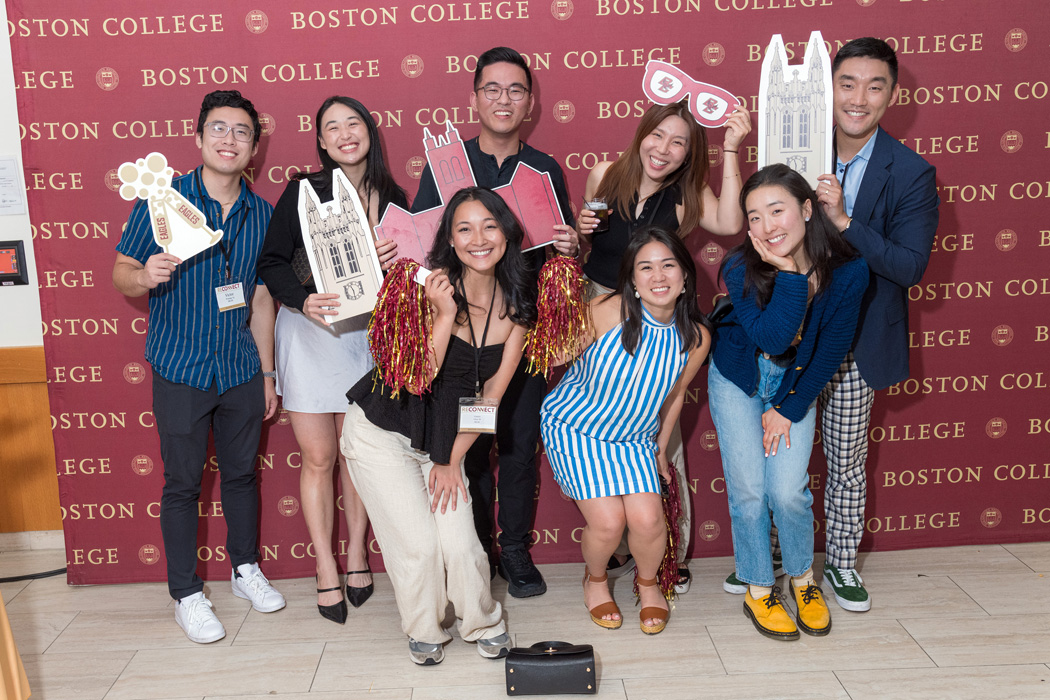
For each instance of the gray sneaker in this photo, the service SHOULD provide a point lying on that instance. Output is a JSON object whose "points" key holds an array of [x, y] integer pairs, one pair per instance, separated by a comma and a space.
{"points": [[494, 647], [425, 654], [737, 587]]}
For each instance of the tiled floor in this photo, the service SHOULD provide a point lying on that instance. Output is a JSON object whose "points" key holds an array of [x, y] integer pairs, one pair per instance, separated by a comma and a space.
{"points": [[962, 622]]}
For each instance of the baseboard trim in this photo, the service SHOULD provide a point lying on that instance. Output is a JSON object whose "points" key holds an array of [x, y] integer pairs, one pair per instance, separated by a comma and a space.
{"points": [[36, 539]]}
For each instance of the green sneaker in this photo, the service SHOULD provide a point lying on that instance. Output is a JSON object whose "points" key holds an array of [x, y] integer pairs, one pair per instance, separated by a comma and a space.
{"points": [[848, 588], [737, 587]]}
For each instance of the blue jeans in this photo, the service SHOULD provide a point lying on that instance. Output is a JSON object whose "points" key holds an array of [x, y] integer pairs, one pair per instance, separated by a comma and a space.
{"points": [[758, 485]]}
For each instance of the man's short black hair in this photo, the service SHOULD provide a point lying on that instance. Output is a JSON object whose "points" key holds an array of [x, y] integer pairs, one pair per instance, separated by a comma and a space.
{"points": [[868, 47], [228, 98], [502, 54]]}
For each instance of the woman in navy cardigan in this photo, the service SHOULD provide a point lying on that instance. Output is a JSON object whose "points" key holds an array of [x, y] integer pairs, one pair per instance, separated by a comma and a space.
{"points": [[796, 288]]}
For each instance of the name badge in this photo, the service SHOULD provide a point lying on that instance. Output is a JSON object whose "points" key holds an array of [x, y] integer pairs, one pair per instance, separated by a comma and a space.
{"points": [[230, 296], [477, 415]]}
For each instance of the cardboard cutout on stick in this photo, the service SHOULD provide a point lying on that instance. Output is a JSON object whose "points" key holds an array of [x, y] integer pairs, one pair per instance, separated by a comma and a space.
{"points": [[666, 84], [794, 110], [529, 194], [339, 246], [179, 227]]}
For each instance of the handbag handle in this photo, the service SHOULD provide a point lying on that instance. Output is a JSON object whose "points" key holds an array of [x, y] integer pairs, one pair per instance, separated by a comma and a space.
{"points": [[552, 648]]}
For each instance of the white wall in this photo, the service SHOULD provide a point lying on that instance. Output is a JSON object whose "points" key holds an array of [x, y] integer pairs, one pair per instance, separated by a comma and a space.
{"points": [[20, 304]]}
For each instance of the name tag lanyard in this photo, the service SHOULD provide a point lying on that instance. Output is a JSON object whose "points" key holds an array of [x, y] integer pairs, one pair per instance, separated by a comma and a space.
{"points": [[207, 217], [484, 334]]}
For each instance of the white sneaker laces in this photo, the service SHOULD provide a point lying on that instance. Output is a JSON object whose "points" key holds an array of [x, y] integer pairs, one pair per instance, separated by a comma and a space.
{"points": [[849, 577], [199, 611]]}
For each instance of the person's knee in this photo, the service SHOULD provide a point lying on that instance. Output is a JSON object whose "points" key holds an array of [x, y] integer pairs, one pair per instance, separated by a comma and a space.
{"points": [[608, 527], [648, 522]]}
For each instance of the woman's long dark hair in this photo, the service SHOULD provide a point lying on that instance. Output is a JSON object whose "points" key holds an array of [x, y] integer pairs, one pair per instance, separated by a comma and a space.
{"points": [[824, 245], [377, 176], [512, 270], [687, 314]]}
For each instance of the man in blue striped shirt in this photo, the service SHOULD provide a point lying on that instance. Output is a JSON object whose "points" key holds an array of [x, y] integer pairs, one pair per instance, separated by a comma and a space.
{"points": [[211, 324]]}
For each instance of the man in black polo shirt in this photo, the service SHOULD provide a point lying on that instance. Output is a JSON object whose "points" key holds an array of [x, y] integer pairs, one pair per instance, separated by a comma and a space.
{"points": [[502, 98]]}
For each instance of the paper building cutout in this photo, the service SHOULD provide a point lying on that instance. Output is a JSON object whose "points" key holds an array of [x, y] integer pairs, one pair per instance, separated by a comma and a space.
{"points": [[179, 227], [666, 84], [529, 194], [794, 110], [339, 246]]}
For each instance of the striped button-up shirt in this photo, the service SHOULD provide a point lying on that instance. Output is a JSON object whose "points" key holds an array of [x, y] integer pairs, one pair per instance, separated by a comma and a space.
{"points": [[189, 340]]}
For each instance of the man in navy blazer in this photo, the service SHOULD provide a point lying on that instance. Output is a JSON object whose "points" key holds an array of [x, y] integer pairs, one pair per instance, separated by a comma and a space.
{"points": [[883, 199]]}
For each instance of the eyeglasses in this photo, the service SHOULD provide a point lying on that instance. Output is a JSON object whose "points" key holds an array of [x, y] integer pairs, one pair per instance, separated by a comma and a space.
{"points": [[220, 129], [493, 92]]}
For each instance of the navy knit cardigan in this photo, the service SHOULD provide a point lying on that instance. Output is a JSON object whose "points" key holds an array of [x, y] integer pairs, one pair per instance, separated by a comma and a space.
{"points": [[826, 337]]}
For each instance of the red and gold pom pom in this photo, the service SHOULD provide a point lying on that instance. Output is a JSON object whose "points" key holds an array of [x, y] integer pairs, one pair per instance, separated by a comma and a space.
{"points": [[399, 331], [672, 517], [561, 324]]}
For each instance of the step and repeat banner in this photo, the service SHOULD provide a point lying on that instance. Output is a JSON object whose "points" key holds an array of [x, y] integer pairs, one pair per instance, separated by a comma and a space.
{"points": [[958, 452]]}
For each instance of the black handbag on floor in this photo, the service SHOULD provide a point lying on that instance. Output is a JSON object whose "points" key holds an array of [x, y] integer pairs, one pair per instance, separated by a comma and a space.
{"points": [[551, 668]]}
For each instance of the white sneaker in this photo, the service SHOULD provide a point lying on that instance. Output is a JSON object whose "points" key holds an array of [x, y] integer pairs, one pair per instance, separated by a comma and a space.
{"points": [[252, 585], [195, 617]]}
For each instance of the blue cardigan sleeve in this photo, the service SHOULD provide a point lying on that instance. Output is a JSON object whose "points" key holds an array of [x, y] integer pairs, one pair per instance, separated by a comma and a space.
{"points": [[834, 338], [771, 328]]}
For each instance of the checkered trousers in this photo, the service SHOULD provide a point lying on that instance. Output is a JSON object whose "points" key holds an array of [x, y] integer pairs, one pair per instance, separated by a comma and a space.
{"points": [[845, 411]]}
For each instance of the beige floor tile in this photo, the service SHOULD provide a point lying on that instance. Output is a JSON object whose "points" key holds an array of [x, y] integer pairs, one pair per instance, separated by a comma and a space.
{"points": [[939, 561], [384, 664], [609, 690], [10, 590], [977, 683], [300, 621], [31, 562], [854, 643], [987, 591], [36, 632], [388, 694], [74, 676], [1036, 555], [51, 594], [999, 640], [162, 673], [783, 686]]}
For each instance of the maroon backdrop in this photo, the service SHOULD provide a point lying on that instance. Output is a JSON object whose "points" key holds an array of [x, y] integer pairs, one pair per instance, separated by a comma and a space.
{"points": [[958, 452]]}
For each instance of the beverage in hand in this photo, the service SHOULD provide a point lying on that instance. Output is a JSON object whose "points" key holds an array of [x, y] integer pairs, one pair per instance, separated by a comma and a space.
{"points": [[601, 212]]}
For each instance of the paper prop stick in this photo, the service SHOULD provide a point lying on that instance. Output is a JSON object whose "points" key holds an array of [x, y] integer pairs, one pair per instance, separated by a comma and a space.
{"points": [[665, 84], [794, 110], [179, 227], [339, 246], [529, 194]]}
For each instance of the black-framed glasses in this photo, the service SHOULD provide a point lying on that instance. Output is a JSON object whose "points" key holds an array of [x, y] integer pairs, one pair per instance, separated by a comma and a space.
{"points": [[493, 92], [220, 129]]}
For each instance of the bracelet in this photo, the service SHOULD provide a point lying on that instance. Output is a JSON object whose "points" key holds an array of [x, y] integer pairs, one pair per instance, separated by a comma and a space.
{"points": [[270, 375], [727, 151], [847, 224]]}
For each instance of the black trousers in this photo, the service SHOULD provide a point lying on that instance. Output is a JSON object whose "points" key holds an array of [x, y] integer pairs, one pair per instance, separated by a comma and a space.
{"points": [[184, 415], [517, 435]]}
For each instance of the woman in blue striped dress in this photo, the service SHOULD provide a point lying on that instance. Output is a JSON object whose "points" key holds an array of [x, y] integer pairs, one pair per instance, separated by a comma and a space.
{"points": [[605, 426]]}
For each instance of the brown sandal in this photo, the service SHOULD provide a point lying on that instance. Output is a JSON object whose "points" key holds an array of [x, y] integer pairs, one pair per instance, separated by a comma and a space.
{"points": [[608, 608], [651, 613]]}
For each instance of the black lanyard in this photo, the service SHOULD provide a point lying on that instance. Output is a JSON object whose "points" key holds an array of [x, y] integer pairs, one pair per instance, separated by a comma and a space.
{"points": [[484, 334], [222, 246], [845, 168]]}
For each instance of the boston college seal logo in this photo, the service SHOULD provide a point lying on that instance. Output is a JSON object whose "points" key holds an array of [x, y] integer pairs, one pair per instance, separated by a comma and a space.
{"points": [[561, 9], [714, 53], [995, 428], [288, 506], [412, 66], [414, 167], [141, 465], [712, 253], [564, 111], [256, 21], [149, 554], [1002, 335], [709, 440], [134, 373], [1011, 141], [267, 123], [865, 3], [1006, 240], [709, 530], [991, 517], [112, 179], [107, 79], [1016, 39]]}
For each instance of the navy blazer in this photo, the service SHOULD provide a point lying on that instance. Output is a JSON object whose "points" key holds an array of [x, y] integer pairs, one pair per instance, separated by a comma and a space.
{"points": [[894, 224]]}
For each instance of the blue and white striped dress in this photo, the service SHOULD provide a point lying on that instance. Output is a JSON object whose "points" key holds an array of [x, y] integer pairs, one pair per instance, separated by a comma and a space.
{"points": [[599, 425]]}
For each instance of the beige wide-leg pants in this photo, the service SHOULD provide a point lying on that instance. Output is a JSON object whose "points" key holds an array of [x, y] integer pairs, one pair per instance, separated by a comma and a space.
{"points": [[432, 558]]}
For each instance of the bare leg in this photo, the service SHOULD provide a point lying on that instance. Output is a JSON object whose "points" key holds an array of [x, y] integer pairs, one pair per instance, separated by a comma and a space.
{"points": [[647, 536], [605, 522], [356, 520], [318, 446]]}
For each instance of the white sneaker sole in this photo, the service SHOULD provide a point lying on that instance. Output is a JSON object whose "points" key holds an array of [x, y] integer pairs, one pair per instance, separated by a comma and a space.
{"points": [[851, 605], [273, 608], [202, 640]]}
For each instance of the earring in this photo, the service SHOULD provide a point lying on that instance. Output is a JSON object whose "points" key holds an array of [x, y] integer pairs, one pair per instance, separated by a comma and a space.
{"points": [[636, 294], [453, 245], [681, 292], [807, 219]]}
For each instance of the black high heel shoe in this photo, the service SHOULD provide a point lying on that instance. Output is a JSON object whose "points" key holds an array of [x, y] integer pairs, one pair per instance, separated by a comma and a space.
{"points": [[336, 612], [358, 596]]}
